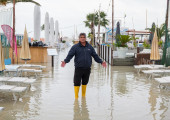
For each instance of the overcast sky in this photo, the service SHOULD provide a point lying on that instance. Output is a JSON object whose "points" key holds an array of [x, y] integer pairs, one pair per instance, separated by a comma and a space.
{"points": [[73, 12]]}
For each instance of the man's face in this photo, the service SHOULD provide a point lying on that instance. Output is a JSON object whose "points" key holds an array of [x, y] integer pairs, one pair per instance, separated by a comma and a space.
{"points": [[82, 38]]}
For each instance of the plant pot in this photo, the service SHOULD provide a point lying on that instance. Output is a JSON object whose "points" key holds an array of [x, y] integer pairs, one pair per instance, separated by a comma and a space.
{"points": [[122, 52]]}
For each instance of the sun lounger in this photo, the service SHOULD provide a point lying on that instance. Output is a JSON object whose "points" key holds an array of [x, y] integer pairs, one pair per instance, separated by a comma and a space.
{"points": [[152, 73], [12, 89], [36, 72], [3, 79], [1, 108], [167, 77], [11, 68], [21, 80], [34, 66], [144, 67], [18, 81], [164, 81]]}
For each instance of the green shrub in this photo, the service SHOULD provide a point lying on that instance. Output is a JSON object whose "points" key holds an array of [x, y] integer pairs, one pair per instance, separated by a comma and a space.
{"points": [[123, 40], [146, 45]]}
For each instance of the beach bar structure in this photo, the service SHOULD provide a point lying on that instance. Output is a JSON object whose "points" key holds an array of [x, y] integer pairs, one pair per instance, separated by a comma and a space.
{"points": [[39, 55]]}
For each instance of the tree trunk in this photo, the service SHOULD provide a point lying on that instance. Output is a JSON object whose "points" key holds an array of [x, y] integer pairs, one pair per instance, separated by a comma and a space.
{"points": [[13, 57]]}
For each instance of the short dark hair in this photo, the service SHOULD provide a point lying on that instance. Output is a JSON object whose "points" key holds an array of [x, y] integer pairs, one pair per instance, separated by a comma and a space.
{"points": [[82, 34]]}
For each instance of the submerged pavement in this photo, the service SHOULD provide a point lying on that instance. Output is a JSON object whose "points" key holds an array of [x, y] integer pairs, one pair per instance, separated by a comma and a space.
{"points": [[114, 93]]}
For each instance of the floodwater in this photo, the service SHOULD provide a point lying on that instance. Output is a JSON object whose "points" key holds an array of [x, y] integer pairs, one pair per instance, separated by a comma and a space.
{"points": [[114, 93]]}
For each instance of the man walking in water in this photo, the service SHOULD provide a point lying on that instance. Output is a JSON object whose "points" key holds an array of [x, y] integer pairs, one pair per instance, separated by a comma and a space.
{"points": [[83, 53]]}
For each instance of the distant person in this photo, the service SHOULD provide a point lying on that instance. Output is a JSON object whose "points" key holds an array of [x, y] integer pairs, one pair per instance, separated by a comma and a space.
{"points": [[83, 53]]}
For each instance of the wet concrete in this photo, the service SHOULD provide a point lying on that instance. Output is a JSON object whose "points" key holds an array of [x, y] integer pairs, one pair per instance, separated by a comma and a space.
{"points": [[114, 93]]}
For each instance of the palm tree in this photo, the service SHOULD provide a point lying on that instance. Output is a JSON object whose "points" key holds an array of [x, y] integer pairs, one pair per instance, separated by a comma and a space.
{"points": [[161, 32], [102, 19], [91, 22]]}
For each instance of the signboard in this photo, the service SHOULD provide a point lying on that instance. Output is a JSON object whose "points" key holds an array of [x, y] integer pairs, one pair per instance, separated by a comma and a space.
{"points": [[108, 34], [52, 52]]}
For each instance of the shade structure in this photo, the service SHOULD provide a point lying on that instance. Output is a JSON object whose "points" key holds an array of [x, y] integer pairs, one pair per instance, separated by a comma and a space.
{"points": [[154, 49], [25, 50], [37, 22], [2, 64], [47, 30]]}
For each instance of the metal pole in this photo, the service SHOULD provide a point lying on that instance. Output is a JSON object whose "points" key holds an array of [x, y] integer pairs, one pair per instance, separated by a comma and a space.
{"points": [[146, 18], [52, 61], [13, 32], [99, 25], [94, 29], [112, 30], [112, 20]]}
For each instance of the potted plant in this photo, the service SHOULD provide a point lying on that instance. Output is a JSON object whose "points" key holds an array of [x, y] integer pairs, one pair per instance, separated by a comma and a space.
{"points": [[121, 45]]}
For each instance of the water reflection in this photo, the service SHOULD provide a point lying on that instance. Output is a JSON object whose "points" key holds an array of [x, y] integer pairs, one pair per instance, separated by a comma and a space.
{"points": [[159, 103], [112, 94], [81, 112]]}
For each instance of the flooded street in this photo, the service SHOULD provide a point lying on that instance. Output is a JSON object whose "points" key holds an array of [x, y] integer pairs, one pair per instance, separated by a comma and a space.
{"points": [[114, 93]]}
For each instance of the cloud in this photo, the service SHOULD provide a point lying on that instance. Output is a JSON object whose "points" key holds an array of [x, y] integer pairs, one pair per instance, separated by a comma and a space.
{"points": [[73, 12]]}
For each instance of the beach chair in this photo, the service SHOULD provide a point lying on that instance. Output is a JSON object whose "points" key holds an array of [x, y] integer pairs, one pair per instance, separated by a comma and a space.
{"points": [[36, 72], [13, 89], [21, 80], [147, 66], [34, 66], [11, 69], [153, 73], [164, 81], [1, 108], [3, 79]]}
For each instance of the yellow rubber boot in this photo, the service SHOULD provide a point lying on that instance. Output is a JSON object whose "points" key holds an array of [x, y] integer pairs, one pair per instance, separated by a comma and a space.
{"points": [[84, 90], [76, 91]]}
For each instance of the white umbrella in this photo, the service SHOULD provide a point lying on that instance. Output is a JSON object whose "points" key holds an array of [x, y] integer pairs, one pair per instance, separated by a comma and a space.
{"points": [[51, 31], [37, 22], [56, 31], [47, 30]]}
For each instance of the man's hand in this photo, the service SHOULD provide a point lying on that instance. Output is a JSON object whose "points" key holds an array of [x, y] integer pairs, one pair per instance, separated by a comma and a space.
{"points": [[63, 64], [104, 64]]}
